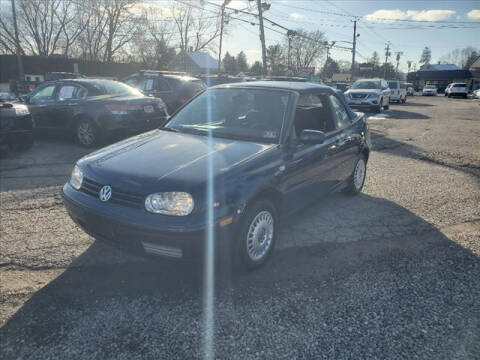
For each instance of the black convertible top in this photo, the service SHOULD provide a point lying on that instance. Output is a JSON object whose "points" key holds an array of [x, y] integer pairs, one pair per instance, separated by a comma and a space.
{"points": [[300, 87], [282, 85]]}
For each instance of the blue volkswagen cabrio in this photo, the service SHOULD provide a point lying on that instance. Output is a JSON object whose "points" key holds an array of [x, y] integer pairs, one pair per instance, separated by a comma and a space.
{"points": [[230, 163]]}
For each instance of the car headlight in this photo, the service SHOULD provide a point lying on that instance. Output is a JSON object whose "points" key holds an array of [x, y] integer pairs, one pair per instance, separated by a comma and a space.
{"points": [[21, 110], [169, 203], [77, 178]]}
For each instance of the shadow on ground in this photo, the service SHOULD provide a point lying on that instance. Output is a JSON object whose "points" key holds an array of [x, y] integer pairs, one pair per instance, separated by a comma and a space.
{"points": [[401, 289]]}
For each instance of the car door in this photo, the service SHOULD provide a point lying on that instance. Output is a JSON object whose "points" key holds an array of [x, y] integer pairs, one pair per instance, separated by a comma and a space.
{"points": [[385, 92], [310, 169], [40, 105], [69, 97], [348, 138]]}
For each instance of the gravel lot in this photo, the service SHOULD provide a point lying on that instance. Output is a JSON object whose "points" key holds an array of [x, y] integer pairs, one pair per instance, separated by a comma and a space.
{"points": [[391, 274]]}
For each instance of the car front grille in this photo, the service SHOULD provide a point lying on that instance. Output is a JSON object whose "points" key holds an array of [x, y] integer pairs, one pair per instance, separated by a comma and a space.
{"points": [[119, 196], [358, 96]]}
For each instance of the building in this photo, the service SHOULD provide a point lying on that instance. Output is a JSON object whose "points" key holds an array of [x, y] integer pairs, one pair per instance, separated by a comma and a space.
{"points": [[35, 68], [475, 70], [195, 63], [439, 75]]}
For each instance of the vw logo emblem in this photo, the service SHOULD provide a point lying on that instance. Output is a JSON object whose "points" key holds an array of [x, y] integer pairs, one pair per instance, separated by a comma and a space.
{"points": [[105, 193]]}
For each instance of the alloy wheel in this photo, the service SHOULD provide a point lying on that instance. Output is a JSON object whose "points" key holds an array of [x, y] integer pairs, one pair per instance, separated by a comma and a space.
{"points": [[260, 236], [85, 133], [359, 174]]}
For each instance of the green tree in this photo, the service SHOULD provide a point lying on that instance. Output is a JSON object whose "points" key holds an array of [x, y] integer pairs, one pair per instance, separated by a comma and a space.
{"points": [[229, 63], [331, 67], [242, 64], [256, 68], [426, 56], [375, 59]]}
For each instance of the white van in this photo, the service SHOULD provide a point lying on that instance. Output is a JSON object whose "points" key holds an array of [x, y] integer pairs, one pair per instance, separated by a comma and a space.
{"points": [[398, 91]]}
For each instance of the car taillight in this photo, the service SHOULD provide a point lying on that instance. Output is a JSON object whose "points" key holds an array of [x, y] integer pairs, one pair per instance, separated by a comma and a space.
{"points": [[122, 109]]}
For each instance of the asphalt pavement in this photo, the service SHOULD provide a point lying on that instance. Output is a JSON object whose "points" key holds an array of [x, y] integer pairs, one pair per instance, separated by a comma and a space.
{"points": [[390, 274]]}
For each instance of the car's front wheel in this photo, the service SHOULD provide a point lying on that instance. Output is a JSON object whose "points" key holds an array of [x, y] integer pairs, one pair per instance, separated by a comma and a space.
{"points": [[357, 179], [258, 233], [87, 133]]}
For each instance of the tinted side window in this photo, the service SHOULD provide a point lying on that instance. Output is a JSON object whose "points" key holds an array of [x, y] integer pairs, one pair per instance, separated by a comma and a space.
{"points": [[162, 85], [67, 92], [340, 114], [44, 94], [133, 81]]}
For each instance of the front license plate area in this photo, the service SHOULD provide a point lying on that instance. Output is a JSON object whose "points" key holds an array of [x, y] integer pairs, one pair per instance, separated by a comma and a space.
{"points": [[148, 109]]}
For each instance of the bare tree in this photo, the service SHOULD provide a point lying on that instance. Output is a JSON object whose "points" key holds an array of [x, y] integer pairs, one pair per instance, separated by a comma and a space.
{"points": [[197, 29], [153, 45], [307, 49], [107, 27]]}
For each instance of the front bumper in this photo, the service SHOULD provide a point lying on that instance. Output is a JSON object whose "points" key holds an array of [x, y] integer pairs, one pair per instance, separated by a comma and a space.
{"points": [[133, 231]]}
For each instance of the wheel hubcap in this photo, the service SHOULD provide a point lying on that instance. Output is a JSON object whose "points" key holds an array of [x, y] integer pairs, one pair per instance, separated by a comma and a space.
{"points": [[359, 174], [260, 235], [85, 133]]}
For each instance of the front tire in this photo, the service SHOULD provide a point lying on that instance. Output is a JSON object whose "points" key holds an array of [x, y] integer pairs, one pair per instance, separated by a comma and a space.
{"points": [[87, 133], [357, 179], [257, 234]]}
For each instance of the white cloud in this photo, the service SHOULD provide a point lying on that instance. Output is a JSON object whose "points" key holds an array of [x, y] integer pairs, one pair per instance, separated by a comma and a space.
{"points": [[474, 15], [296, 16], [419, 15]]}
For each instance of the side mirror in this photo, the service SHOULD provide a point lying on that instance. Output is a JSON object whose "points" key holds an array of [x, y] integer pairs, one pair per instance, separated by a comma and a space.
{"points": [[312, 136], [25, 99]]}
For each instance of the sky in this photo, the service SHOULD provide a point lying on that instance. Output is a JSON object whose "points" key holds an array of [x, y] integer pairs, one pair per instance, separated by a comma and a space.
{"points": [[432, 26]]}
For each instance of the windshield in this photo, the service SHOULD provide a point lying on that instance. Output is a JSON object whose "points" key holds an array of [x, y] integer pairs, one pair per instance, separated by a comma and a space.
{"points": [[366, 84], [247, 114], [430, 87], [460, 85], [393, 85], [110, 87]]}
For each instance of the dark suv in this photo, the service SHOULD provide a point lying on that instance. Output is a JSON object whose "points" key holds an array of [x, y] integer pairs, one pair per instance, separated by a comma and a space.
{"points": [[174, 88]]}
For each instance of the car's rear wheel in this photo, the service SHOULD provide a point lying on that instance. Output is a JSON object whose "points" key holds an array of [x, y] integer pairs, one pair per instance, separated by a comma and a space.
{"points": [[357, 179], [87, 133], [258, 234]]}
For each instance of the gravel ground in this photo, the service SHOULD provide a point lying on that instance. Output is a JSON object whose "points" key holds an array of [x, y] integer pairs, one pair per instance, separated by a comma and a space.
{"points": [[390, 274]]}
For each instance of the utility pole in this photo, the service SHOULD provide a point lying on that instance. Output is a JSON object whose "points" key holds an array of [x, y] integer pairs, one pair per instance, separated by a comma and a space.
{"points": [[399, 54], [225, 3], [328, 55], [262, 37], [21, 76], [387, 55], [354, 45], [290, 35]]}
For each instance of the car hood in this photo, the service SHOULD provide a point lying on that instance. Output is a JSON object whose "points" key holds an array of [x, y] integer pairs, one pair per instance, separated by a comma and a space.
{"points": [[166, 161], [363, 91]]}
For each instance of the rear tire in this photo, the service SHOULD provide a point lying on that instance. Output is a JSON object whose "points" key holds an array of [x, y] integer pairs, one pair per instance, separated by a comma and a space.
{"points": [[357, 179], [87, 133], [258, 232]]}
